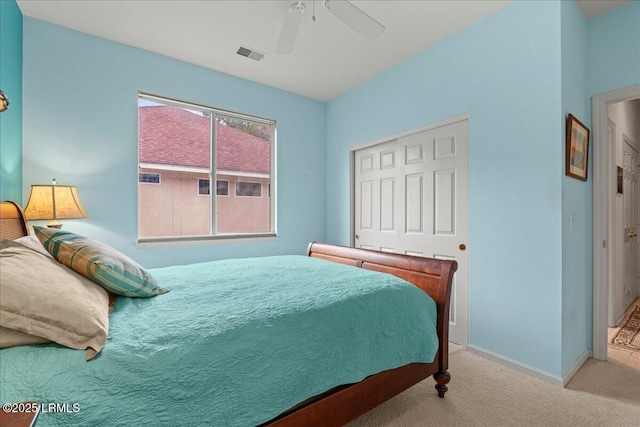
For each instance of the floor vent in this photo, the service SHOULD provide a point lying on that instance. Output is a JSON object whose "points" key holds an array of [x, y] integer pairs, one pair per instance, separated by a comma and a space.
{"points": [[250, 53]]}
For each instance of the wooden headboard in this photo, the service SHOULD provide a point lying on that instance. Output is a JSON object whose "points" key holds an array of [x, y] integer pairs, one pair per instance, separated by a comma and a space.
{"points": [[12, 222]]}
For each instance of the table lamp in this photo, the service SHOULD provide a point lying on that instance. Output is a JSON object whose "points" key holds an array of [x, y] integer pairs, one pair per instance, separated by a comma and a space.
{"points": [[54, 202]]}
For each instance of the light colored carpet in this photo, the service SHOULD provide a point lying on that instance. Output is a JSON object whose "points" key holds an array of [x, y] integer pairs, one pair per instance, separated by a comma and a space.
{"points": [[483, 393]]}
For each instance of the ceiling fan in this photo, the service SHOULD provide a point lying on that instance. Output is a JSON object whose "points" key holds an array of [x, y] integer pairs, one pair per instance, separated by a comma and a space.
{"points": [[344, 10]]}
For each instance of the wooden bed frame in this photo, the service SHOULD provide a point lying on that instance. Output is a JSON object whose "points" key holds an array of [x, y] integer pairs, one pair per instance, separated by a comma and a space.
{"points": [[342, 404], [12, 222]]}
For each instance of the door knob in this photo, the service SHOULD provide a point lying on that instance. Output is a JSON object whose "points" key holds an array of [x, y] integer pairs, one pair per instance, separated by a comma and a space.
{"points": [[462, 246], [357, 237]]}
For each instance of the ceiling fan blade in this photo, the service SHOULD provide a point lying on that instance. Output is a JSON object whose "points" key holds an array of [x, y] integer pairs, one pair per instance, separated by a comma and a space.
{"points": [[290, 27], [355, 18]]}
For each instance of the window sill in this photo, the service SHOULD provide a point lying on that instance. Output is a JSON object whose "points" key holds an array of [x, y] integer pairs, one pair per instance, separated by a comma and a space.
{"points": [[163, 242]]}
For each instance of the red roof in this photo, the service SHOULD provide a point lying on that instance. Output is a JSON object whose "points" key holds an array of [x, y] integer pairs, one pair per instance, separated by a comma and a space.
{"points": [[173, 136]]}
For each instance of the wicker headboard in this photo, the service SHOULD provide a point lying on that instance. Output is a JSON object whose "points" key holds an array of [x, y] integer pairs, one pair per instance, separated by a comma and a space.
{"points": [[12, 222]]}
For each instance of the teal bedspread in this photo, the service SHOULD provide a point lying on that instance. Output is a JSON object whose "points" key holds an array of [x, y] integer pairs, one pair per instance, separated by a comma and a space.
{"points": [[234, 343]]}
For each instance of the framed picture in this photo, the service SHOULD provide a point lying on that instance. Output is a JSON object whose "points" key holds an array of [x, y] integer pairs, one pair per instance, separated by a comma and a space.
{"points": [[577, 148], [620, 175]]}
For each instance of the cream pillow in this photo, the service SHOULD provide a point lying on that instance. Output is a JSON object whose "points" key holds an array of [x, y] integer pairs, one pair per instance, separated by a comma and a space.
{"points": [[33, 243], [41, 297], [13, 338]]}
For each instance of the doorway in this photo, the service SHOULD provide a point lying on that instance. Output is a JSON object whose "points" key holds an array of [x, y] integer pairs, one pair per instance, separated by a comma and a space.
{"points": [[605, 177], [410, 196]]}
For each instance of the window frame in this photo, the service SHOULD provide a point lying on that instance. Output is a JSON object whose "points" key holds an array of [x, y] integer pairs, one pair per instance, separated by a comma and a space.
{"points": [[213, 113]]}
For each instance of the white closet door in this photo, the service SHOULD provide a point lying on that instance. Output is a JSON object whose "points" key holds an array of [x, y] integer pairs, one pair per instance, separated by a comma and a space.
{"points": [[375, 195], [411, 197]]}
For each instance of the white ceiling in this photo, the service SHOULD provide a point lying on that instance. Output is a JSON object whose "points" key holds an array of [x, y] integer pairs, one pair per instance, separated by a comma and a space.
{"points": [[592, 8], [328, 58]]}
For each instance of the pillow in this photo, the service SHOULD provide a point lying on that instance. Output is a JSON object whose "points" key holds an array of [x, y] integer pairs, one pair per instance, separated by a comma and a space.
{"points": [[13, 338], [41, 297], [33, 243], [99, 262]]}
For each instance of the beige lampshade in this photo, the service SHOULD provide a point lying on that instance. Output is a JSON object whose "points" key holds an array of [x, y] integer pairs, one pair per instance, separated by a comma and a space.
{"points": [[54, 202]]}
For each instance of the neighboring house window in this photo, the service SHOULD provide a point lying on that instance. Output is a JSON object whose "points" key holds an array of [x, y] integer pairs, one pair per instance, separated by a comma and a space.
{"points": [[222, 188], [185, 142], [149, 178], [203, 187], [249, 189]]}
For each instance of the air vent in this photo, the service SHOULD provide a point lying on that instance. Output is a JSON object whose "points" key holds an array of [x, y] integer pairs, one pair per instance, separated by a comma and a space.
{"points": [[250, 53]]}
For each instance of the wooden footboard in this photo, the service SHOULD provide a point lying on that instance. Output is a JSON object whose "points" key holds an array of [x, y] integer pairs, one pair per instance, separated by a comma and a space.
{"points": [[343, 404]]}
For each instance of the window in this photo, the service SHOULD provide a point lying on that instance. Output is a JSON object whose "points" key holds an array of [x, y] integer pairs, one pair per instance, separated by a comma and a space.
{"points": [[203, 187], [222, 188], [149, 178], [249, 189], [190, 145]]}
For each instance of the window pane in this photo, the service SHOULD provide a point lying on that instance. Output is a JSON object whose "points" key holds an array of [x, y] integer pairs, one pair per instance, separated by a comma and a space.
{"points": [[149, 178], [249, 189], [175, 142], [203, 187], [222, 188], [243, 153]]}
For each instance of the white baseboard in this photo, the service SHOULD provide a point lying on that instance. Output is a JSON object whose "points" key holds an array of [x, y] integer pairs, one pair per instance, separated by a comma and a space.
{"points": [[576, 367], [528, 370], [533, 372]]}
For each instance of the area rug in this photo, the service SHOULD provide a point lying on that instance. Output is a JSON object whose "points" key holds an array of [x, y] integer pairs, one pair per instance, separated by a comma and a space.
{"points": [[629, 335]]}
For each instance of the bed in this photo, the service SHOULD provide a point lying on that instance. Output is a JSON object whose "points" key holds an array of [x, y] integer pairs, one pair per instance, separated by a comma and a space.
{"points": [[293, 371]]}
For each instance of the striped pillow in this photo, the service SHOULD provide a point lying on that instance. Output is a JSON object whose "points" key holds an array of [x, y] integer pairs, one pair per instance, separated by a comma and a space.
{"points": [[101, 263]]}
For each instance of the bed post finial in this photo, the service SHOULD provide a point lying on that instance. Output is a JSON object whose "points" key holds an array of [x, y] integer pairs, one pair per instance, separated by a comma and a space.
{"points": [[442, 378], [309, 248]]}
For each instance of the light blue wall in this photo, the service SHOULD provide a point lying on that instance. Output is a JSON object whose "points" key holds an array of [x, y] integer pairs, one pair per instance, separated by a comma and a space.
{"points": [[504, 72], [614, 49], [516, 74], [11, 85], [576, 196], [80, 126]]}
